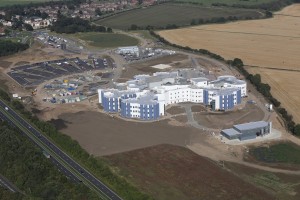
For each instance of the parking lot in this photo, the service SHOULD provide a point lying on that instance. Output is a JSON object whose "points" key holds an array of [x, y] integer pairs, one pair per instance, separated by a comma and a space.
{"points": [[66, 44], [37, 73]]}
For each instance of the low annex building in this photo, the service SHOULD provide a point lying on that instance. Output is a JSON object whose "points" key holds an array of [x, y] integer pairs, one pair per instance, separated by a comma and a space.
{"points": [[145, 96], [248, 130]]}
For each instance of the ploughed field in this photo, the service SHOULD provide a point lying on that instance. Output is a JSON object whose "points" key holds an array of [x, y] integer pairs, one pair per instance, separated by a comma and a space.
{"points": [[172, 172], [167, 14], [99, 134], [270, 44]]}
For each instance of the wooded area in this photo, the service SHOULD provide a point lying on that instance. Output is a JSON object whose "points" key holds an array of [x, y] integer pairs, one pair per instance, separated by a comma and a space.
{"points": [[25, 165], [8, 47]]}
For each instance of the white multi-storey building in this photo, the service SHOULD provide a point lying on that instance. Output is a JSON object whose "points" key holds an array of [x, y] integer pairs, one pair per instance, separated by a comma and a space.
{"points": [[145, 97]]}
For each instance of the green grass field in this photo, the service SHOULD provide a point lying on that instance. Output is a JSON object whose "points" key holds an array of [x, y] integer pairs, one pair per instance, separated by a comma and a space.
{"points": [[286, 153], [179, 14], [106, 40], [228, 2], [14, 2]]}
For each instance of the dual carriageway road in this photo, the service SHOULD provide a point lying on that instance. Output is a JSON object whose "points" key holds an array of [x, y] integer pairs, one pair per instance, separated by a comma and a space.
{"points": [[64, 162]]}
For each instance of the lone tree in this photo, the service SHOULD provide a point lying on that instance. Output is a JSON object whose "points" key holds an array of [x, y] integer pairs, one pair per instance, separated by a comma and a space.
{"points": [[237, 62], [297, 130]]}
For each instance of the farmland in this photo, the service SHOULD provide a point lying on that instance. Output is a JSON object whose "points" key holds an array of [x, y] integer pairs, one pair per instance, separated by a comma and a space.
{"points": [[282, 186], [166, 14], [106, 40], [285, 87], [269, 43], [172, 172]]}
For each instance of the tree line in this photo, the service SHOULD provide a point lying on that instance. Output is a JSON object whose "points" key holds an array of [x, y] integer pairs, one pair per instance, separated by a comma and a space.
{"points": [[8, 47], [97, 166], [270, 6], [25, 166], [73, 25], [214, 20], [263, 88]]}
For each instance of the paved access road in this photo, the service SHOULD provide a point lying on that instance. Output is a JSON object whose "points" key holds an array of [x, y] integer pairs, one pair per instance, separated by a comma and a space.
{"points": [[7, 184], [61, 159]]}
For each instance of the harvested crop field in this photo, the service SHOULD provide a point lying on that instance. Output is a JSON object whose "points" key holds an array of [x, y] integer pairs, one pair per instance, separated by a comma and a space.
{"points": [[227, 119], [100, 134], [269, 43], [285, 86], [198, 108], [166, 14], [172, 172]]}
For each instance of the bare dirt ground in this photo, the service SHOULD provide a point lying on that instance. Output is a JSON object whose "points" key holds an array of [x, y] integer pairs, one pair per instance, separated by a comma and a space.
{"points": [[181, 118], [101, 134], [177, 60], [172, 172], [227, 119], [36, 53], [174, 110], [268, 43], [198, 108]]}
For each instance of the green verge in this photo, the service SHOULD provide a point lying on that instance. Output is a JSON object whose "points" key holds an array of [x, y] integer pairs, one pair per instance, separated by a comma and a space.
{"points": [[107, 40], [288, 153], [97, 167]]}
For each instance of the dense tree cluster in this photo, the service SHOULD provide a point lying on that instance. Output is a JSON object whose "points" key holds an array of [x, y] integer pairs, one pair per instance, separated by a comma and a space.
{"points": [[72, 147], [25, 165], [73, 25], [8, 47]]}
